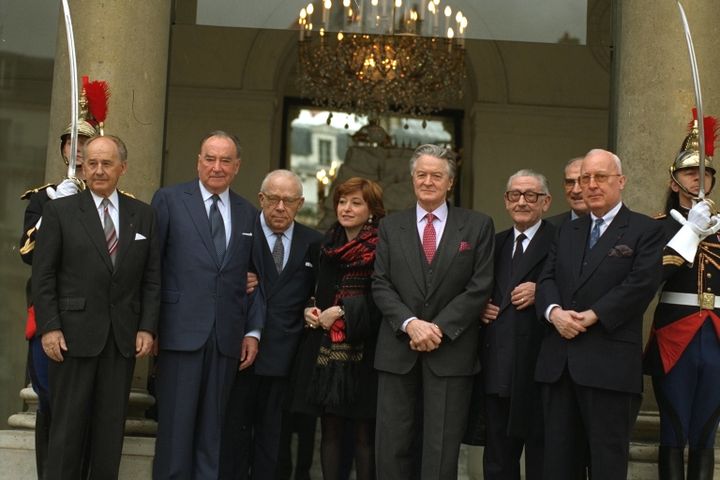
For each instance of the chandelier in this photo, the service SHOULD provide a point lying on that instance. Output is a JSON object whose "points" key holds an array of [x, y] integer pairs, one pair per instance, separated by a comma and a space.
{"points": [[376, 56]]}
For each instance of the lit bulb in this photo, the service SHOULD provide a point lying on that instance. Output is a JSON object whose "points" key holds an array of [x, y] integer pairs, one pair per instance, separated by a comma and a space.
{"points": [[436, 2], [340, 36], [303, 14], [458, 17], [322, 31], [328, 4], [451, 33], [431, 7], [464, 23], [374, 3], [346, 3], [310, 9], [448, 11], [398, 3]]}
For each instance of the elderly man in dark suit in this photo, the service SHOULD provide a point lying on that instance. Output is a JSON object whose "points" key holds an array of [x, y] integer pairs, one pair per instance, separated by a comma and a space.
{"points": [[285, 253], [512, 334], [573, 194], [206, 236], [96, 286], [600, 275], [433, 276]]}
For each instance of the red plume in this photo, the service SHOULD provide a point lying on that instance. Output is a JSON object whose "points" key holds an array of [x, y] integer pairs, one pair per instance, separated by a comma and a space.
{"points": [[710, 126], [98, 94]]}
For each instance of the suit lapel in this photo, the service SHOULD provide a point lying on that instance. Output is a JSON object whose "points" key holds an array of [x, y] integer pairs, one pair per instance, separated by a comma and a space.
{"points": [[196, 208], [237, 221], [127, 228], [607, 240], [448, 247], [411, 250], [90, 220], [503, 254], [580, 232]]}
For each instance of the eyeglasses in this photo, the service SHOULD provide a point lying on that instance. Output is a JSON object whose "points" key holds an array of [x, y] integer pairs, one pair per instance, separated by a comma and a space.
{"points": [[600, 178], [571, 182], [274, 200], [530, 197]]}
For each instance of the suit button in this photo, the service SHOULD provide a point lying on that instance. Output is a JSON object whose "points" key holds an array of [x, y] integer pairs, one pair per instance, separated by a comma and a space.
{"points": [[427, 304]]}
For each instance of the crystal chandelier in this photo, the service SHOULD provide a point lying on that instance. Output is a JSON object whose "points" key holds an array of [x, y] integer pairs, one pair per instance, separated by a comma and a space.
{"points": [[382, 55]]}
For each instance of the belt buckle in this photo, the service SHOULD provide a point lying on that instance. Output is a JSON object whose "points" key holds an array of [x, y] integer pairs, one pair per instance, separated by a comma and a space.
{"points": [[707, 301]]}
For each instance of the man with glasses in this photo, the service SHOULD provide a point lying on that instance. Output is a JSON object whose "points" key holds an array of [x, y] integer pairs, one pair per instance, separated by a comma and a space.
{"points": [[573, 194], [285, 254], [512, 334], [600, 275]]}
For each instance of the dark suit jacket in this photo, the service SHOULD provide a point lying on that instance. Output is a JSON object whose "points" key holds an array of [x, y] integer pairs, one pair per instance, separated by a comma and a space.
{"points": [[511, 343], [75, 287], [198, 292], [616, 279], [462, 281], [559, 219], [287, 295]]}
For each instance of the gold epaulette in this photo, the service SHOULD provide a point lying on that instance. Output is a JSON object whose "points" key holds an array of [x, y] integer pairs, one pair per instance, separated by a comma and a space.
{"points": [[30, 192], [659, 216], [29, 242], [127, 193], [673, 260]]}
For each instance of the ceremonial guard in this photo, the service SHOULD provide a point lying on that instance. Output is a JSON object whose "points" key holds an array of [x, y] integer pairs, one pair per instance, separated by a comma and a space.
{"points": [[88, 126], [683, 354]]}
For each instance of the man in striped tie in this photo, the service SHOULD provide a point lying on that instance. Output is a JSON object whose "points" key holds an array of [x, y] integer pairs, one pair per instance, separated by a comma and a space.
{"points": [[96, 284]]}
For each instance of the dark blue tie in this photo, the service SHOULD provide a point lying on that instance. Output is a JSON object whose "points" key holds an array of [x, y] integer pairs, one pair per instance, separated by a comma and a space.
{"points": [[595, 232], [217, 228], [518, 253]]}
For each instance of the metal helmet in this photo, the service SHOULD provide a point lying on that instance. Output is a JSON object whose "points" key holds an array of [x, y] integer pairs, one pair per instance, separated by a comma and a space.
{"points": [[689, 154], [87, 125]]}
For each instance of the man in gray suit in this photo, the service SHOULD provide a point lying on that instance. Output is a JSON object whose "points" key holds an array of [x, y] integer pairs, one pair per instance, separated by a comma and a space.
{"points": [[433, 277]]}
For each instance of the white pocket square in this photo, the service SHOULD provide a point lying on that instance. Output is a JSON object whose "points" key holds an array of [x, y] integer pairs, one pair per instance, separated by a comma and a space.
{"points": [[308, 264], [247, 234], [140, 236]]}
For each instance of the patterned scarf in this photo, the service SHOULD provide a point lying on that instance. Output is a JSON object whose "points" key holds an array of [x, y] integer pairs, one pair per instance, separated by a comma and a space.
{"points": [[334, 379]]}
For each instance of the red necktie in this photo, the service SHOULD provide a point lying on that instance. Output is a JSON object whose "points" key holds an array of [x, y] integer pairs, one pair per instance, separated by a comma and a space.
{"points": [[429, 238]]}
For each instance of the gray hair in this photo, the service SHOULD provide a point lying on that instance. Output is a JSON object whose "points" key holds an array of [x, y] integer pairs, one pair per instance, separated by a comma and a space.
{"points": [[616, 159], [121, 148], [223, 134], [572, 161], [526, 172], [435, 151], [281, 172]]}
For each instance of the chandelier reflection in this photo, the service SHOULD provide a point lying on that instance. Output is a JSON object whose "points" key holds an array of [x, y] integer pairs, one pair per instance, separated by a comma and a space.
{"points": [[377, 56]]}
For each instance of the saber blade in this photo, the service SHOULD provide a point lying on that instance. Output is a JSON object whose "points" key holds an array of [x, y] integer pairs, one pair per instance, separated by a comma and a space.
{"points": [[698, 100], [72, 161]]}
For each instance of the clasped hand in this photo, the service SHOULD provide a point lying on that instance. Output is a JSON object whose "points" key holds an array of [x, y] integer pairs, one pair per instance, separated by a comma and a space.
{"points": [[570, 323], [424, 336]]}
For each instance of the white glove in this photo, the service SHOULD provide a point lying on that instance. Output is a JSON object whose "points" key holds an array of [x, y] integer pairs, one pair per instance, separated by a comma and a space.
{"points": [[698, 225], [51, 193], [68, 187]]}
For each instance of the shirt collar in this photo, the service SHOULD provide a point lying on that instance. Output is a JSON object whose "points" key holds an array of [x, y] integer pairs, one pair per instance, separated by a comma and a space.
{"points": [[268, 231], [529, 232], [441, 213], [609, 216], [114, 199], [206, 194]]}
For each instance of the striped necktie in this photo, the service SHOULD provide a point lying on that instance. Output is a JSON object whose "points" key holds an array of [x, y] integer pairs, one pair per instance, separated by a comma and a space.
{"points": [[109, 229]]}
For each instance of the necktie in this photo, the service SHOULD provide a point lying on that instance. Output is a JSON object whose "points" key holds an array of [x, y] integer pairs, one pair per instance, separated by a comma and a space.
{"points": [[278, 252], [429, 238], [217, 228], [595, 232], [517, 255], [109, 229]]}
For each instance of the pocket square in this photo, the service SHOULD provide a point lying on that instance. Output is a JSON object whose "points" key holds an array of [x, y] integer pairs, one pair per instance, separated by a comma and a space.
{"points": [[247, 234], [621, 251], [140, 236], [463, 246], [308, 264]]}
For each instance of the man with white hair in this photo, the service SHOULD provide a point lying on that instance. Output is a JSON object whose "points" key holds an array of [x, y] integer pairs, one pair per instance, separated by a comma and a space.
{"points": [[600, 275]]}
